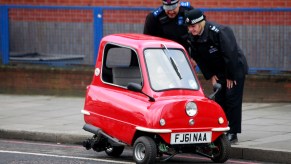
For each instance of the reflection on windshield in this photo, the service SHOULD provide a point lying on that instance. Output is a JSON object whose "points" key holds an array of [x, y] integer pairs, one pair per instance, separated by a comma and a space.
{"points": [[168, 70]]}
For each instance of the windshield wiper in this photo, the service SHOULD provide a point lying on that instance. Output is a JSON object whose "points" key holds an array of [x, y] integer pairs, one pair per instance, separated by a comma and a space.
{"points": [[175, 67], [173, 63]]}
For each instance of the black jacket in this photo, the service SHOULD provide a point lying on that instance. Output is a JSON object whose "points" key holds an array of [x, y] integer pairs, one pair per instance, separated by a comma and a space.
{"points": [[217, 53], [158, 24]]}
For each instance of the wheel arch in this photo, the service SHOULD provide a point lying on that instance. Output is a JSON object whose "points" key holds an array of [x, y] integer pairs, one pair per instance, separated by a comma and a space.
{"points": [[156, 137]]}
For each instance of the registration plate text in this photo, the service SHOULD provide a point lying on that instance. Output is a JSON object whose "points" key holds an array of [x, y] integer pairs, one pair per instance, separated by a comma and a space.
{"points": [[190, 138]]}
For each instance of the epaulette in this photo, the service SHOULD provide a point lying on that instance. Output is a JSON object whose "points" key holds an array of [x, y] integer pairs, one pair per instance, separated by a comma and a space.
{"points": [[185, 4], [158, 11], [214, 28]]}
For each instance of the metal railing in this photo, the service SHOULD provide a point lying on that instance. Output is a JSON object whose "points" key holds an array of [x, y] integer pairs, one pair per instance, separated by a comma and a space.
{"points": [[70, 35]]}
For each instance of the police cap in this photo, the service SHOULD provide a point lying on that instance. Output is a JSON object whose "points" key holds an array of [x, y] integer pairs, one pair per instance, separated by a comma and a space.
{"points": [[194, 16], [170, 4]]}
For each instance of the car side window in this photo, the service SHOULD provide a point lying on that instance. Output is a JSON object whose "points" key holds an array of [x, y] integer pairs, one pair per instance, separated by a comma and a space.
{"points": [[120, 66]]}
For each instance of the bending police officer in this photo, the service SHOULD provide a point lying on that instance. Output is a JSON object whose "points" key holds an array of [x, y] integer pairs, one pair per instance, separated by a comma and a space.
{"points": [[168, 21], [221, 60]]}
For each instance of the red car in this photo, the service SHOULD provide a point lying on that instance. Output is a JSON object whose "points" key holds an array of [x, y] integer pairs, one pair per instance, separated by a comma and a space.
{"points": [[145, 94]]}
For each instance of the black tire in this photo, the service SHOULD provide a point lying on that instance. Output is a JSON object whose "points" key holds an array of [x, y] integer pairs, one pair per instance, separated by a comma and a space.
{"points": [[114, 151], [222, 153], [144, 150]]}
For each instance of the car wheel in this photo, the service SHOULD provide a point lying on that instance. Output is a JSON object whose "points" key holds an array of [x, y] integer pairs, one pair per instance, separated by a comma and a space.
{"points": [[222, 151], [114, 151], [144, 150]]}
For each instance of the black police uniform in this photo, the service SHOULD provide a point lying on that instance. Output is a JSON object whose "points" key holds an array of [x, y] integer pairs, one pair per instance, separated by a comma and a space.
{"points": [[217, 53], [159, 24]]}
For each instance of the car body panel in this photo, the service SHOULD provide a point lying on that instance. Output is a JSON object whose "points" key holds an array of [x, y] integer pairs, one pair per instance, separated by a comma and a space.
{"points": [[121, 113]]}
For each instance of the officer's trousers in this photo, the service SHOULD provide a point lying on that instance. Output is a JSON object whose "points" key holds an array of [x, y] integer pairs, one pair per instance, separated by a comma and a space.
{"points": [[231, 102]]}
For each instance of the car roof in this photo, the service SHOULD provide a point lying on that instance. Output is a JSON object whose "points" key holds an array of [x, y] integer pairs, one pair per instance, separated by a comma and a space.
{"points": [[136, 41]]}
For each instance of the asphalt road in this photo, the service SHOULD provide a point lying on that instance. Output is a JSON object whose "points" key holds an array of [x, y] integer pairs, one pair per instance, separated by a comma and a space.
{"points": [[28, 152]]}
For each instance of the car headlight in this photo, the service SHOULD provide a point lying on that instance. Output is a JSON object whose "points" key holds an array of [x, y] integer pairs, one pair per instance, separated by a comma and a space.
{"points": [[191, 109]]}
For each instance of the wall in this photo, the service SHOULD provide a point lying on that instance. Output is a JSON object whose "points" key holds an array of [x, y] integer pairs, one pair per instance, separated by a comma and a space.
{"points": [[42, 80], [147, 3], [264, 36], [73, 82]]}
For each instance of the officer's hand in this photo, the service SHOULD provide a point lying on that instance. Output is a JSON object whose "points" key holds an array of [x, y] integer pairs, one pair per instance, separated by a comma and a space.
{"points": [[193, 62], [214, 80], [230, 83]]}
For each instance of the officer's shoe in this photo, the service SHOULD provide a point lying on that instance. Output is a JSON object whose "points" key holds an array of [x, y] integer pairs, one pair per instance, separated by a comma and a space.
{"points": [[232, 137]]}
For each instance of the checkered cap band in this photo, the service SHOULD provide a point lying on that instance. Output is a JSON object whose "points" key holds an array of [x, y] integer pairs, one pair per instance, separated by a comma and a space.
{"points": [[170, 4], [194, 21]]}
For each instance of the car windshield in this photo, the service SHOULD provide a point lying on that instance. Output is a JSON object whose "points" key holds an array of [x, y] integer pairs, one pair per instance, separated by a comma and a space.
{"points": [[169, 69]]}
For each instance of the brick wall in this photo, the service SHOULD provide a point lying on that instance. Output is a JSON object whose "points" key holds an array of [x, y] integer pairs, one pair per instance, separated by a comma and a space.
{"points": [[123, 17], [86, 16], [44, 15], [153, 3], [73, 82], [44, 80], [76, 15]]}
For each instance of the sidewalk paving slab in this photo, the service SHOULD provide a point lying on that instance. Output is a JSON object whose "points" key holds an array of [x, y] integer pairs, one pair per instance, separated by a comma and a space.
{"points": [[266, 127]]}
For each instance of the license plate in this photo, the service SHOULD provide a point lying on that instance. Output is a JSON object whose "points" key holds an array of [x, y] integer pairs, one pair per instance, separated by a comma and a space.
{"points": [[191, 138]]}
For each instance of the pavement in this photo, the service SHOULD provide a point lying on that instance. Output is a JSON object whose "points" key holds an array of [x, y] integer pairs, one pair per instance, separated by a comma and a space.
{"points": [[266, 127]]}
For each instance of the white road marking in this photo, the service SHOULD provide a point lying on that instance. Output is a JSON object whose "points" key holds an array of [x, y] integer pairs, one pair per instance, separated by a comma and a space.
{"points": [[63, 156]]}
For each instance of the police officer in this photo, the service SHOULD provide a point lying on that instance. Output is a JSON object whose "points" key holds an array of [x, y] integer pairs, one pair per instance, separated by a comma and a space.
{"points": [[168, 21], [221, 60]]}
